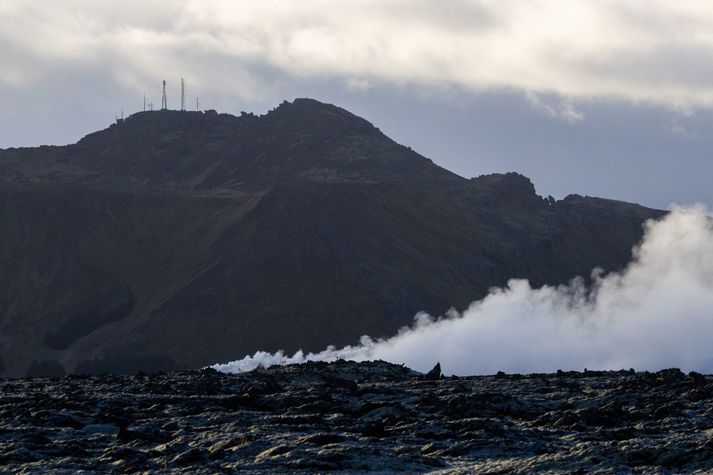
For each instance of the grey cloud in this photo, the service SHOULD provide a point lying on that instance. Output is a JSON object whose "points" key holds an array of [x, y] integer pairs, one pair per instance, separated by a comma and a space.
{"points": [[478, 86], [575, 49]]}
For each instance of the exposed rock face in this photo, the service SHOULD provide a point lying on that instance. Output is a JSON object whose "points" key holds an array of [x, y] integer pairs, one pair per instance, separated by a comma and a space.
{"points": [[352, 417], [435, 373], [180, 239]]}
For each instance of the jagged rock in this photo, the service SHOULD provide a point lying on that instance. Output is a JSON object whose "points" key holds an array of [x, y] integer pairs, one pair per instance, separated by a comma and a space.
{"points": [[145, 432], [189, 457], [697, 379], [339, 383], [670, 375], [321, 439], [435, 373]]}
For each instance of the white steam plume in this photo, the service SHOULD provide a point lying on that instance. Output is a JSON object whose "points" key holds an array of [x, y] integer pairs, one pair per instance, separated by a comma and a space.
{"points": [[656, 313]]}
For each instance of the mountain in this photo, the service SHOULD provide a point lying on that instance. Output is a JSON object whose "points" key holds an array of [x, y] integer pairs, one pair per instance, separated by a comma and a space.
{"points": [[177, 239]]}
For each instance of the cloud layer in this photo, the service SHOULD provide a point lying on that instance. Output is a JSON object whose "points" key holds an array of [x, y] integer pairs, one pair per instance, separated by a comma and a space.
{"points": [[653, 51], [594, 97], [657, 313]]}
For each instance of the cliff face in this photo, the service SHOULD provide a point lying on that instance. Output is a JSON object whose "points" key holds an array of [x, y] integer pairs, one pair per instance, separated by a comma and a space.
{"points": [[180, 239]]}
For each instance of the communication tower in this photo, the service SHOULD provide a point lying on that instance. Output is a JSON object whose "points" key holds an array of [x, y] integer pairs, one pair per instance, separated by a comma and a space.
{"points": [[183, 95], [164, 100]]}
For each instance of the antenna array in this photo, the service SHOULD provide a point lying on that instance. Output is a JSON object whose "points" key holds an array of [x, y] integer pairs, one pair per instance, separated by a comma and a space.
{"points": [[148, 105]]}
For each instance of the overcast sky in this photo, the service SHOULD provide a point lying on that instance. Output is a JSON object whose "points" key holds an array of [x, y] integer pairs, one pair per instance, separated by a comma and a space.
{"points": [[606, 98]]}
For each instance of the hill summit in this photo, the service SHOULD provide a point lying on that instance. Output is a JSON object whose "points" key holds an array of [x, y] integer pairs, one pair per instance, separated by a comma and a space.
{"points": [[305, 140], [180, 239]]}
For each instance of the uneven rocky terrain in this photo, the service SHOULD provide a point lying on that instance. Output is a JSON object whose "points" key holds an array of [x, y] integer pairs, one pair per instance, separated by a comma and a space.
{"points": [[353, 417]]}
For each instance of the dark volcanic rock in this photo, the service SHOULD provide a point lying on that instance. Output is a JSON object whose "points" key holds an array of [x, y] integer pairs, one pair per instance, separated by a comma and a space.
{"points": [[310, 418], [435, 373], [179, 239]]}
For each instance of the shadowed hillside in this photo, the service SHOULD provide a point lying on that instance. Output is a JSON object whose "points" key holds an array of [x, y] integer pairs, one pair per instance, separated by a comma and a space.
{"points": [[180, 239]]}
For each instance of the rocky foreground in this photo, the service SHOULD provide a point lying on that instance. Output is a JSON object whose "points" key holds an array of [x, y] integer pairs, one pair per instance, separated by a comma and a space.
{"points": [[355, 417]]}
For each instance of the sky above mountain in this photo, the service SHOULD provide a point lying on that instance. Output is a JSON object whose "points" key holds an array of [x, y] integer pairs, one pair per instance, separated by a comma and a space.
{"points": [[603, 98]]}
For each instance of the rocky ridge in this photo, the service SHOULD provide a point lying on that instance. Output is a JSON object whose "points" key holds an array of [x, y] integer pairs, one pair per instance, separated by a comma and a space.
{"points": [[356, 417]]}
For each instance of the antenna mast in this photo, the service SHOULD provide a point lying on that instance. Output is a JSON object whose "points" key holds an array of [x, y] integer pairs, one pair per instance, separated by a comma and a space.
{"points": [[164, 101], [144, 102], [183, 95], [198, 105]]}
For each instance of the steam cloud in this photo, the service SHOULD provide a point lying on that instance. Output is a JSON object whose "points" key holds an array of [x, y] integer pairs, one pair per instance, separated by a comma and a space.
{"points": [[656, 313]]}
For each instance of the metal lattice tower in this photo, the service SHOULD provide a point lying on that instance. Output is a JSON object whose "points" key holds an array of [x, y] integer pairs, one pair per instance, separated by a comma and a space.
{"points": [[164, 100], [183, 95], [198, 105]]}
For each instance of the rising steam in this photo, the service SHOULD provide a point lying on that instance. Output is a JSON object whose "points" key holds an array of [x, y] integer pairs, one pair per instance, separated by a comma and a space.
{"points": [[656, 313]]}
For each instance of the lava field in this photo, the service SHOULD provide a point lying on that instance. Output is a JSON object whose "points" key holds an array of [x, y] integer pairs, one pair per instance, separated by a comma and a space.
{"points": [[358, 417]]}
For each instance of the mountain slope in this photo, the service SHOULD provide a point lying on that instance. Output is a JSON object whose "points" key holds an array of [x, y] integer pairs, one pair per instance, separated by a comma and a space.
{"points": [[179, 239]]}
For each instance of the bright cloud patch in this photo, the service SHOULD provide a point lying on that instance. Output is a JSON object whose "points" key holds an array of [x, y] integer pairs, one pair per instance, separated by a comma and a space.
{"points": [[656, 51]]}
